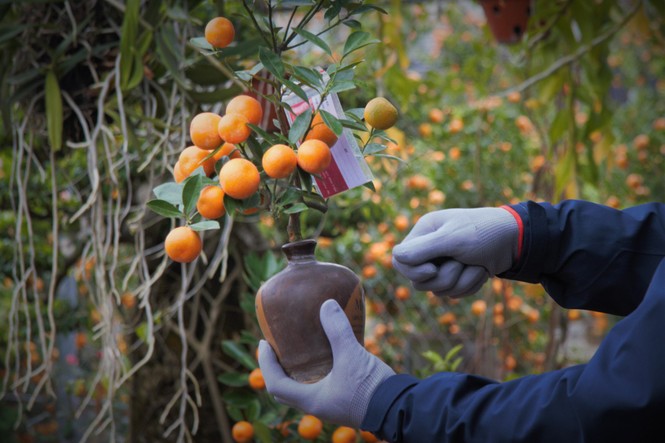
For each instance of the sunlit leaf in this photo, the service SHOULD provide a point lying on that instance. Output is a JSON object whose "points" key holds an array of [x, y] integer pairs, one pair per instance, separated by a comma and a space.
{"points": [[170, 192], [205, 225]]}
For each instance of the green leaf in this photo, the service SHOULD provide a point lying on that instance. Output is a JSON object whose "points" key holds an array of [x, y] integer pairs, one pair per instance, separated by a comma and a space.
{"points": [[358, 40], [190, 192], [205, 225], [391, 157], [166, 42], [272, 139], [234, 412], [296, 89], [354, 125], [342, 86], [128, 38], [202, 44], [314, 39], [353, 24], [332, 122], [365, 8], [9, 31], [559, 126], [238, 353], [262, 432], [310, 77], [53, 110], [233, 379], [164, 208], [272, 62], [373, 148], [298, 207], [294, 3], [300, 126], [239, 398], [170, 191], [291, 195]]}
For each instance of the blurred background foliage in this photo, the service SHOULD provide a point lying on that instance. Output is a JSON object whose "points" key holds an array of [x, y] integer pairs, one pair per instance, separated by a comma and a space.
{"points": [[104, 339]]}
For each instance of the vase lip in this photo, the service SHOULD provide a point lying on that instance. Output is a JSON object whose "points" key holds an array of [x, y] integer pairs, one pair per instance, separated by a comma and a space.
{"points": [[300, 249]]}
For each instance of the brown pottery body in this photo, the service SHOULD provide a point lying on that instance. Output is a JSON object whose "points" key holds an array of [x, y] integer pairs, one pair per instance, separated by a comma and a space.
{"points": [[288, 304]]}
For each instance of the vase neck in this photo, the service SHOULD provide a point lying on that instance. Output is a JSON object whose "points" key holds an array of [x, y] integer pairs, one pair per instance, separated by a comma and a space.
{"points": [[300, 251]]}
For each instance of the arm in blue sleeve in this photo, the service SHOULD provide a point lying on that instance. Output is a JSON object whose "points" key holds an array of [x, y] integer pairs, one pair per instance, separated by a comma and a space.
{"points": [[589, 256], [619, 396]]}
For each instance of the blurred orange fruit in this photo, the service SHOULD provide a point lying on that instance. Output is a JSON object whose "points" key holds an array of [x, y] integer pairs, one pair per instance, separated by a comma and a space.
{"points": [[314, 156], [368, 437], [320, 131], [279, 161], [203, 130], [183, 244], [641, 141], [248, 107], [219, 32], [478, 307], [436, 115], [369, 271], [380, 113], [256, 380], [191, 158], [310, 427], [456, 125], [232, 128], [242, 432], [401, 222], [402, 293], [211, 202], [344, 434], [239, 178]]}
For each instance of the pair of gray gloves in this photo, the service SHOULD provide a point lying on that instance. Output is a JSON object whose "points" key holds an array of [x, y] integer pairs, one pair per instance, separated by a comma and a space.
{"points": [[452, 253]]}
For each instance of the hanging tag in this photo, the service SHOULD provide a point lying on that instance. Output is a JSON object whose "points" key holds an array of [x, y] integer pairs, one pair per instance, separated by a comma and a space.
{"points": [[348, 168]]}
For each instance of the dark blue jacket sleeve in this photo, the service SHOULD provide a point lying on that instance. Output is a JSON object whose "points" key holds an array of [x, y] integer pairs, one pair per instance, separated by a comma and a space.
{"points": [[589, 256], [619, 396]]}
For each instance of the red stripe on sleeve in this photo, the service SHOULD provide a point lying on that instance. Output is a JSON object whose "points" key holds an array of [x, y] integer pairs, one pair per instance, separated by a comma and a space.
{"points": [[520, 227]]}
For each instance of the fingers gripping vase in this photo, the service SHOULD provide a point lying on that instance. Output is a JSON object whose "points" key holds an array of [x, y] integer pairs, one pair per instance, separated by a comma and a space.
{"points": [[288, 304]]}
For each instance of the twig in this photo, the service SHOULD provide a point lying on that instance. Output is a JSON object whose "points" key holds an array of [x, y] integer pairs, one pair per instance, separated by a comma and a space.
{"points": [[582, 50]]}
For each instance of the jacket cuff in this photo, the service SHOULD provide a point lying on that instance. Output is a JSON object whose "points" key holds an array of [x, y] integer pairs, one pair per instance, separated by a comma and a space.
{"points": [[383, 398], [534, 248]]}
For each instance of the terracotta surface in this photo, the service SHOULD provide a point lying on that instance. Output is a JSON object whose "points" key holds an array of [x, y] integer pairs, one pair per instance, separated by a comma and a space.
{"points": [[507, 19]]}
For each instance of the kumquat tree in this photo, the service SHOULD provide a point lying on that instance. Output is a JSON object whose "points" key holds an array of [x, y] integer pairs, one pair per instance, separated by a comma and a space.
{"points": [[157, 155]]}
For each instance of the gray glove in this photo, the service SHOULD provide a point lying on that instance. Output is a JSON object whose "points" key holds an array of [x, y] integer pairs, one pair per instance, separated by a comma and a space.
{"points": [[343, 395], [453, 252]]}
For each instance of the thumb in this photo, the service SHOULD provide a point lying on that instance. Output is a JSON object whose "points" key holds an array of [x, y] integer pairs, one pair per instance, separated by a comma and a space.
{"points": [[337, 327], [272, 371]]}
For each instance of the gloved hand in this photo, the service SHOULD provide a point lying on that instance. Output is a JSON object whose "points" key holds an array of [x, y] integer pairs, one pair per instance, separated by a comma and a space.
{"points": [[343, 395], [453, 252]]}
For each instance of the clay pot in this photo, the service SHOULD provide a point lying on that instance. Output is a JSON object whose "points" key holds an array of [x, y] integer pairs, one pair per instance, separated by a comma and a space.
{"points": [[288, 305], [507, 19]]}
